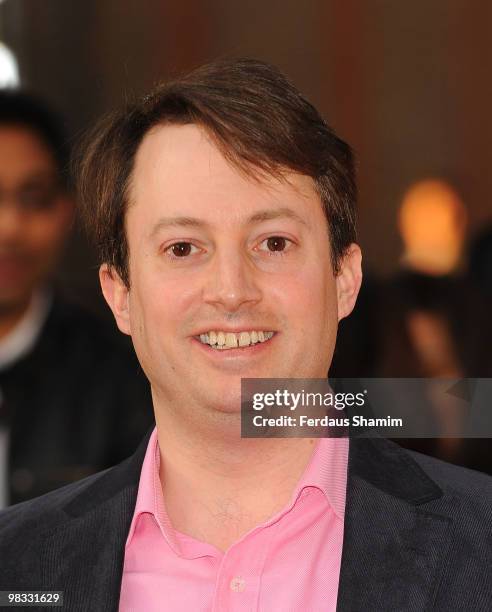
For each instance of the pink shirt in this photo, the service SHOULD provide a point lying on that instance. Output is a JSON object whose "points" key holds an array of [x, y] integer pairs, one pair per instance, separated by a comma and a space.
{"points": [[290, 562]]}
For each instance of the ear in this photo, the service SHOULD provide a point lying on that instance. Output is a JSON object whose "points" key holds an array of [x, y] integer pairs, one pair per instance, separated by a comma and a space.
{"points": [[348, 280], [116, 294]]}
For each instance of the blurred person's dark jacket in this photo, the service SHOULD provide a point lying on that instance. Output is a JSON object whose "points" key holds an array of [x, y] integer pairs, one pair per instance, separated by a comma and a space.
{"points": [[456, 302], [479, 270], [358, 347], [375, 341], [76, 404], [464, 315]]}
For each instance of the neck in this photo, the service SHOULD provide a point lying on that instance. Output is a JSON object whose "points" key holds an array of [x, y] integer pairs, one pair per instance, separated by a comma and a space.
{"points": [[218, 487], [11, 315]]}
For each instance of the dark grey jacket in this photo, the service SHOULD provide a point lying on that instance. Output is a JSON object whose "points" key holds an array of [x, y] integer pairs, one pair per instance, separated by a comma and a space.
{"points": [[417, 535]]}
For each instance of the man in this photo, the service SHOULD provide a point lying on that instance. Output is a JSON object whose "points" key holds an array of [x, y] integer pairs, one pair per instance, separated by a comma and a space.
{"points": [[223, 206], [66, 381]]}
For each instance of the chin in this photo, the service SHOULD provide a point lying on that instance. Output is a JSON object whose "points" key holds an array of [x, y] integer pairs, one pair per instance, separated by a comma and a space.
{"points": [[226, 403]]}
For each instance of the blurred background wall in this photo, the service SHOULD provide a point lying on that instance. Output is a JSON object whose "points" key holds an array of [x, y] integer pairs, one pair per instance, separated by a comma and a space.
{"points": [[406, 83]]}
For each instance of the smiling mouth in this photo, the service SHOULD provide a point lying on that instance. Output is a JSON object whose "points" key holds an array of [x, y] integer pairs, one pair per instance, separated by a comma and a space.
{"points": [[224, 341]]}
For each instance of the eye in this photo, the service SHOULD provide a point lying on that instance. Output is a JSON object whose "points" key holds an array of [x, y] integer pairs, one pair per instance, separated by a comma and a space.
{"points": [[275, 244], [36, 198], [180, 250]]}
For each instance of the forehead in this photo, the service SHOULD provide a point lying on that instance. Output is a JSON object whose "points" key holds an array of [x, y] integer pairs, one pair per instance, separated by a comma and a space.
{"points": [[180, 171]]}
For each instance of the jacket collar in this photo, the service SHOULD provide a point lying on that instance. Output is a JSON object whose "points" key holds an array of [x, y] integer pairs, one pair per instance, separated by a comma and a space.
{"points": [[123, 477]]}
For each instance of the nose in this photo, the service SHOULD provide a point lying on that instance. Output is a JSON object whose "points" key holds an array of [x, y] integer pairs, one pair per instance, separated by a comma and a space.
{"points": [[232, 282]]}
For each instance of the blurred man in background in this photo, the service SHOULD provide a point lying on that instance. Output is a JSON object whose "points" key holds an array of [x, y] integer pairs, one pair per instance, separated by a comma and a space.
{"points": [[72, 396]]}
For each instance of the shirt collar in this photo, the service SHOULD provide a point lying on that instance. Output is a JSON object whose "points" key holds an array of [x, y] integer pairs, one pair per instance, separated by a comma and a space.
{"points": [[150, 499], [22, 338], [326, 471]]}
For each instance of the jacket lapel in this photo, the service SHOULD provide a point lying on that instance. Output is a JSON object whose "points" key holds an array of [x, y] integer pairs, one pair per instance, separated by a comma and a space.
{"points": [[395, 534], [84, 556]]}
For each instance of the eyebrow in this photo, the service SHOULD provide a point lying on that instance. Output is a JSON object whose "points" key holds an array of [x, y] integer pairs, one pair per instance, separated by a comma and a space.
{"points": [[259, 217], [276, 213]]}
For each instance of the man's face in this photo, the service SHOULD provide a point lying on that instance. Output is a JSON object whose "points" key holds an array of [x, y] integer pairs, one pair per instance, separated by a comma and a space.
{"points": [[212, 250], [34, 217]]}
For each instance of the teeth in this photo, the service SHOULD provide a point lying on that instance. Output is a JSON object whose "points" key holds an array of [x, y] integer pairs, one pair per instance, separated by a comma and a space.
{"points": [[227, 340], [244, 339], [231, 340]]}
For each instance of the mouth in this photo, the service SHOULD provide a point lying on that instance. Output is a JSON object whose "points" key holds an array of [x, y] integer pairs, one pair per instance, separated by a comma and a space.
{"points": [[226, 340]]}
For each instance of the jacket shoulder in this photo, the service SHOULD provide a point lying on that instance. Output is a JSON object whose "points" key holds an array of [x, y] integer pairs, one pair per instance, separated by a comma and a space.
{"points": [[456, 480], [42, 513], [467, 501], [424, 481]]}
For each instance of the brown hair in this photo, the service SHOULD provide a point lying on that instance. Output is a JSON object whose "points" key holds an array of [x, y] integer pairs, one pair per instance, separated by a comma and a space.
{"points": [[256, 117]]}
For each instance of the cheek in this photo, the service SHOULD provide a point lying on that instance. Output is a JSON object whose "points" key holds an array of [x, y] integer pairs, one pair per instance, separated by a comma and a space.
{"points": [[310, 297], [146, 323], [159, 312], [308, 307], [159, 305]]}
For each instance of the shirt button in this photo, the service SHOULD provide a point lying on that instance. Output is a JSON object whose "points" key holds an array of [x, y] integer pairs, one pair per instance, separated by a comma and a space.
{"points": [[237, 584]]}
